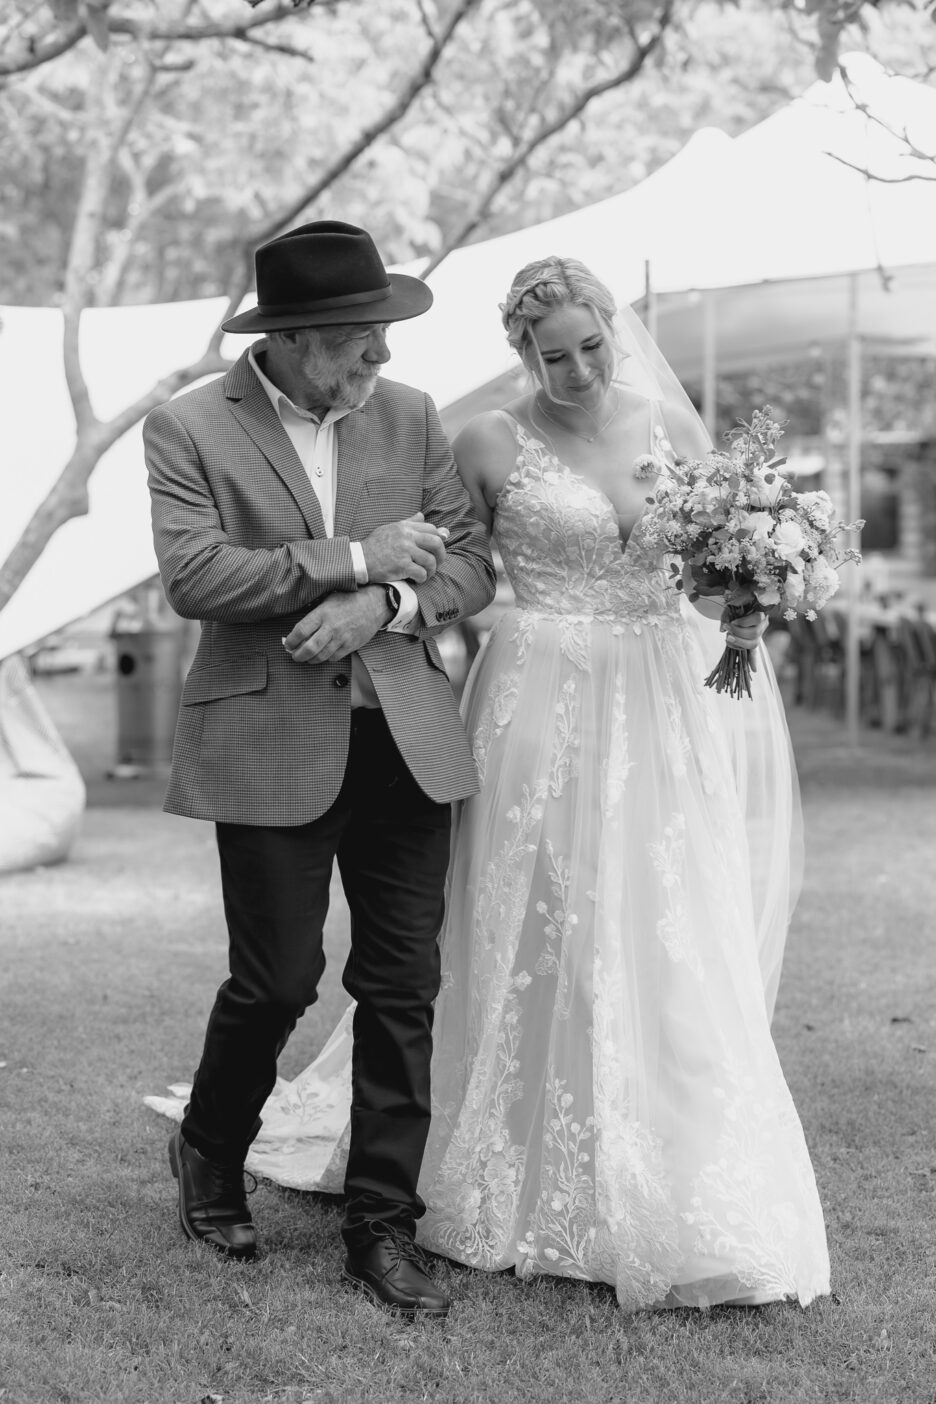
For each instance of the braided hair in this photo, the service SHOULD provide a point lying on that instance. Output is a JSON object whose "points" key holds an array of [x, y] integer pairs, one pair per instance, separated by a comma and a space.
{"points": [[545, 286]]}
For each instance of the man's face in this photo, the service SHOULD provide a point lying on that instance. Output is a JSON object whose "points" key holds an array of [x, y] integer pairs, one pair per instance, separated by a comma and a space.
{"points": [[343, 362]]}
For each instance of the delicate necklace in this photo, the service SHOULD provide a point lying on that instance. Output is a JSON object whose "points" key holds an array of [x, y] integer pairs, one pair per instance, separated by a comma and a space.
{"points": [[587, 438]]}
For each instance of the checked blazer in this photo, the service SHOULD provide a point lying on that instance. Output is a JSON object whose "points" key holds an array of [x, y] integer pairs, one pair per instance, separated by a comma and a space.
{"points": [[242, 547]]}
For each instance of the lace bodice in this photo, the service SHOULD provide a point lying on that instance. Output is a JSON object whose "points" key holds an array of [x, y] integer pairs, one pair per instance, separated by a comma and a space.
{"points": [[561, 546]]}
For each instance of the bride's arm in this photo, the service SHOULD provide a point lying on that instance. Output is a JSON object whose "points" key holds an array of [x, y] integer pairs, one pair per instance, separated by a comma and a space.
{"points": [[485, 454]]}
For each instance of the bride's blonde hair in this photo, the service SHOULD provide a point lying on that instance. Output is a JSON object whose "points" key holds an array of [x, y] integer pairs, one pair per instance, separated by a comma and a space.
{"points": [[545, 286]]}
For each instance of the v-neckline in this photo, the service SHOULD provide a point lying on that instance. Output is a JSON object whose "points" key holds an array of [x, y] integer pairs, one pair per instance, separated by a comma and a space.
{"points": [[578, 477]]}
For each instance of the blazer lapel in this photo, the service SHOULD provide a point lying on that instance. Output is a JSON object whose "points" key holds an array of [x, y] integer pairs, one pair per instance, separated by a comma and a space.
{"points": [[353, 443], [253, 410]]}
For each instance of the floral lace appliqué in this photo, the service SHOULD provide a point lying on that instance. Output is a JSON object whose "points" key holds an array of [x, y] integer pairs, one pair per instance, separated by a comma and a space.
{"points": [[673, 928], [561, 546], [617, 766], [473, 1206], [558, 930], [566, 740], [497, 714]]}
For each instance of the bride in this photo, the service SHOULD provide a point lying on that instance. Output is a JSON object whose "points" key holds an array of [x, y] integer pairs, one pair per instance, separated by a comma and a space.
{"points": [[607, 1099]]}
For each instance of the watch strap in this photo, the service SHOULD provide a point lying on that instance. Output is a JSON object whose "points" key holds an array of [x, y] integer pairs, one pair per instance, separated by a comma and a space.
{"points": [[393, 602]]}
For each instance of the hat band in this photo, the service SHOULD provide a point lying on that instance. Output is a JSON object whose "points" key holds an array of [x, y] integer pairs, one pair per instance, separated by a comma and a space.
{"points": [[322, 304]]}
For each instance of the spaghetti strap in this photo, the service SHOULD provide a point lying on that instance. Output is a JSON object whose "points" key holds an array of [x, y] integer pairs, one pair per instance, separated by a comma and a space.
{"points": [[520, 434]]}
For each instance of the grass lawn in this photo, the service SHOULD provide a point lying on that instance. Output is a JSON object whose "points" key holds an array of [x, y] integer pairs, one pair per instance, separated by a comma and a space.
{"points": [[109, 964]]}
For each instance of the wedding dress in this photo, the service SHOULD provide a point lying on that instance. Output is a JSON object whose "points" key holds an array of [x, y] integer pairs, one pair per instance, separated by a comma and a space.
{"points": [[607, 1100]]}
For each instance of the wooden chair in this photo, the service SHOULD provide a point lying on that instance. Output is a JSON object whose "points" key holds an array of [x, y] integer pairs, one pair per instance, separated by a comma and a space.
{"points": [[819, 653], [883, 693]]}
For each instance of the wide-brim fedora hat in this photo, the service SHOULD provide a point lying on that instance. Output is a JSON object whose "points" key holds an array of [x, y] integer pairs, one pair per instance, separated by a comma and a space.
{"points": [[326, 274]]}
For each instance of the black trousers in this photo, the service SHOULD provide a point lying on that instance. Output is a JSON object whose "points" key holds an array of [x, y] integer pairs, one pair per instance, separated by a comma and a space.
{"points": [[392, 847]]}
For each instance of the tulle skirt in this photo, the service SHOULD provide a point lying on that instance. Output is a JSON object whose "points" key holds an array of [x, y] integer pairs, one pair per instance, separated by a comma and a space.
{"points": [[607, 1100]]}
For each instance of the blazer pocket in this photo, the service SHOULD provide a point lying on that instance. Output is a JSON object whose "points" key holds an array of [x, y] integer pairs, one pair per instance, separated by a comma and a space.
{"points": [[434, 655], [229, 678]]}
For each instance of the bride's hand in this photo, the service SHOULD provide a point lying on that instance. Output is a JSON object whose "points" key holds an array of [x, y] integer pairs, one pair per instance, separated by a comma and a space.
{"points": [[746, 632]]}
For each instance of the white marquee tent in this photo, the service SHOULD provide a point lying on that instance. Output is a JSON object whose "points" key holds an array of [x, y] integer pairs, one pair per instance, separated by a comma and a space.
{"points": [[769, 216], [818, 251]]}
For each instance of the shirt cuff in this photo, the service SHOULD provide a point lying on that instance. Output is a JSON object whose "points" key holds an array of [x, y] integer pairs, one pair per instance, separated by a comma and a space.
{"points": [[358, 562], [404, 621]]}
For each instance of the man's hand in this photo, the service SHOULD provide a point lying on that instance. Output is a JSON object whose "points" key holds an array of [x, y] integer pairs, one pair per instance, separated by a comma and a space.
{"points": [[338, 625], [409, 550]]}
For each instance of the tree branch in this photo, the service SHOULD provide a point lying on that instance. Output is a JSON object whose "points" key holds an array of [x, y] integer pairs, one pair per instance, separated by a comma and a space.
{"points": [[522, 153], [901, 136], [880, 179], [424, 19], [381, 124], [68, 496], [141, 207], [104, 146], [269, 47], [34, 51]]}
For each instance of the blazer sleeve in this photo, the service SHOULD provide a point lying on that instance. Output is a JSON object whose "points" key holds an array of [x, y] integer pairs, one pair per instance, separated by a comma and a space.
{"points": [[204, 574], [466, 580]]}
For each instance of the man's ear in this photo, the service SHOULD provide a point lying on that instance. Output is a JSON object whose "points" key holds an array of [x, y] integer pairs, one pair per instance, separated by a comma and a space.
{"points": [[284, 338], [305, 337]]}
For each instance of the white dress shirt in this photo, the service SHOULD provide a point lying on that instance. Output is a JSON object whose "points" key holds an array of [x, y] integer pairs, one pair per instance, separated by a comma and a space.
{"points": [[316, 445]]}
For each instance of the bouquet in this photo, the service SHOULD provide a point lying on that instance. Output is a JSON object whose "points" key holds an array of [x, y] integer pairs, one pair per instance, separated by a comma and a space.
{"points": [[737, 523]]}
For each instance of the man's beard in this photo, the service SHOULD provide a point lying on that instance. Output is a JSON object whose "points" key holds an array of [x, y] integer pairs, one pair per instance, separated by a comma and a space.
{"points": [[352, 390], [341, 389]]}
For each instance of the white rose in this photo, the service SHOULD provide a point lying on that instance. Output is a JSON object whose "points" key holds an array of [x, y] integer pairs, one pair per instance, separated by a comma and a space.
{"points": [[759, 524], [819, 505], [788, 540]]}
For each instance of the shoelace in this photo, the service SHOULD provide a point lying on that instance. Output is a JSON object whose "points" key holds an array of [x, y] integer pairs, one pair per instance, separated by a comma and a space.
{"points": [[405, 1247], [231, 1181]]}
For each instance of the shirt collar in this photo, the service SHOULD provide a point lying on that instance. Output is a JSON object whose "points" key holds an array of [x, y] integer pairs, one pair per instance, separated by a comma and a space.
{"points": [[279, 400]]}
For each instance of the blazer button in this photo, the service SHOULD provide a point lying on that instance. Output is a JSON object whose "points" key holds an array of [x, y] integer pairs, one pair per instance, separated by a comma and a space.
{"points": [[341, 680]]}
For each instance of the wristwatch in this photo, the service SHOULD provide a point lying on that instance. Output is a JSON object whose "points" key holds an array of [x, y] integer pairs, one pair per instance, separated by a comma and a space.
{"points": [[393, 602]]}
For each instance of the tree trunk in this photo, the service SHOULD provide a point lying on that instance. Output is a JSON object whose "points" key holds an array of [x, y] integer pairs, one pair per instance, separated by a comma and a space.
{"points": [[68, 496]]}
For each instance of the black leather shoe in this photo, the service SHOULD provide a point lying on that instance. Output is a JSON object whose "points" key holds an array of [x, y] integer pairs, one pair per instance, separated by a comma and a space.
{"points": [[212, 1201], [391, 1270]]}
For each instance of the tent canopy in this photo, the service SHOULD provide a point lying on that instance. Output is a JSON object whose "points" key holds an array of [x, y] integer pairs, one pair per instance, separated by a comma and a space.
{"points": [[777, 322], [770, 209], [809, 230]]}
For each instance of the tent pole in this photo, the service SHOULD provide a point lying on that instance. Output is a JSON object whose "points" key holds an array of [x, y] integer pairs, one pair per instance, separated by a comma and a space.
{"points": [[709, 408], [852, 643]]}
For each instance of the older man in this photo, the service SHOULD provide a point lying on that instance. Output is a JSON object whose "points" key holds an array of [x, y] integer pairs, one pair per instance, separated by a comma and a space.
{"points": [[309, 514]]}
